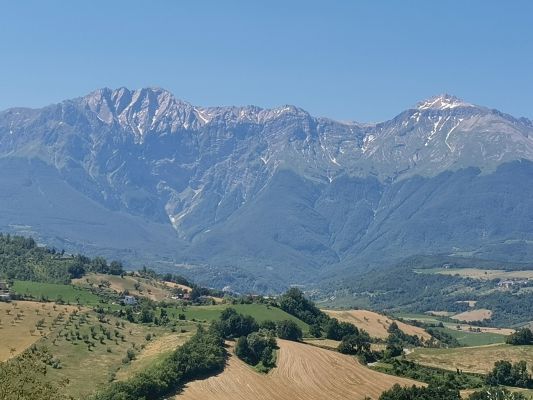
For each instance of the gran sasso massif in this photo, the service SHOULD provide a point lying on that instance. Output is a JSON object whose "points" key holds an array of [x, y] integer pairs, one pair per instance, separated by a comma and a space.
{"points": [[258, 199]]}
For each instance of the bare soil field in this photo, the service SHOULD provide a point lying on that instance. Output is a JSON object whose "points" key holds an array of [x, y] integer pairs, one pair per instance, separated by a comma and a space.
{"points": [[177, 285], [303, 372], [18, 324], [483, 329], [375, 324], [473, 315], [478, 359]]}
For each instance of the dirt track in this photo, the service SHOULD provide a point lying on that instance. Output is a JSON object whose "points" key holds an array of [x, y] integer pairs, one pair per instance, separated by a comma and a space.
{"points": [[304, 372]]}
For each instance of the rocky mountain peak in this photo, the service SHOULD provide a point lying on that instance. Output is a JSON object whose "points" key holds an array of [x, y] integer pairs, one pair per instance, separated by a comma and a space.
{"points": [[142, 111], [442, 102]]}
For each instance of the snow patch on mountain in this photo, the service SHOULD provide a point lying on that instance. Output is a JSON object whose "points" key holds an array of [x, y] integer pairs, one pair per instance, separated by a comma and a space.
{"points": [[442, 102]]}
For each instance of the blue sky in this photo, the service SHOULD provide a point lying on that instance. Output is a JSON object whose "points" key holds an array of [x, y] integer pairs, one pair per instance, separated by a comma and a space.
{"points": [[349, 60]]}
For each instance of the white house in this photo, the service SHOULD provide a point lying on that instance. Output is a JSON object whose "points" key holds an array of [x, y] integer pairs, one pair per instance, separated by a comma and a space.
{"points": [[129, 300]]}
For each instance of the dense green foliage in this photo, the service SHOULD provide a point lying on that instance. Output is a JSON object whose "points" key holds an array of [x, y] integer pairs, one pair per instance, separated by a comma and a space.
{"points": [[204, 353], [496, 394], [257, 347], [521, 337], [336, 330], [432, 392], [295, 303], [357, 343], [443, 337], [22, 259], [505, 373], [445, 392], [231, 324], [289, 330], [430, 375], [419, 292], [399, 338], [508, 308]]}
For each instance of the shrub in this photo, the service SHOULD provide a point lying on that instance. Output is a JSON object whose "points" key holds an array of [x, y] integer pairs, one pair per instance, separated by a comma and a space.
{"points": [[288, 329], [522, 336]]}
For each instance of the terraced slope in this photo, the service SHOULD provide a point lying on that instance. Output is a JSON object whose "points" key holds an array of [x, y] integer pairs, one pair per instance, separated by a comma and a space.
{"points": [[303, 372]]}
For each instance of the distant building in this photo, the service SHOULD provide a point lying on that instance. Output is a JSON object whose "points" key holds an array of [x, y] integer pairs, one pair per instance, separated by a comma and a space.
{"points": [[507, 284], [4, 292], [129, 300]]}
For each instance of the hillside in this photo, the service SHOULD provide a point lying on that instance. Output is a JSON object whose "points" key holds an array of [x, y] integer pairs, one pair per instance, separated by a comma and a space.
{"points": [[136, 285], [441, 285], [258, 199], [375, 324], [302, 371]]}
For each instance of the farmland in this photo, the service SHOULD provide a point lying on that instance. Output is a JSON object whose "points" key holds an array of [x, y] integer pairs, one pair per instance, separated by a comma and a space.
{"points": [[303, 372], [478, 359], [87, 348], [105, 344], [20, 326], [55, 292], [478, 273], [375, 324], [260, 312], [466, 334], [473, 315], [468, 338], [98, 363]]}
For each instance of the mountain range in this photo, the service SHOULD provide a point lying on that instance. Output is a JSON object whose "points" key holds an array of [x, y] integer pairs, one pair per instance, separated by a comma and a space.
{"points": [[259, 199]]}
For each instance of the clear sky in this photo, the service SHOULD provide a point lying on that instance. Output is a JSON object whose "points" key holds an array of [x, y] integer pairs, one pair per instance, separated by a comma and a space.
{"points": [[349, 60]]}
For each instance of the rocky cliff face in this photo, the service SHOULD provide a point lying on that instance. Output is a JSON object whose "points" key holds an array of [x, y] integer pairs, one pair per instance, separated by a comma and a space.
{"points": [[277, 194]]}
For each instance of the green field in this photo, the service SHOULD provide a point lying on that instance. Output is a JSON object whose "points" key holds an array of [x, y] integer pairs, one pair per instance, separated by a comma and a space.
{"points": [[465, 337], [474, 339], [260, 312], [53, 292], [424, 318]]}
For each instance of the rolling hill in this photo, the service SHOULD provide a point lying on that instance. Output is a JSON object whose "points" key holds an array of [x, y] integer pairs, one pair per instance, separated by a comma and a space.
{"points": [[375, 324], [303, 371]]}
